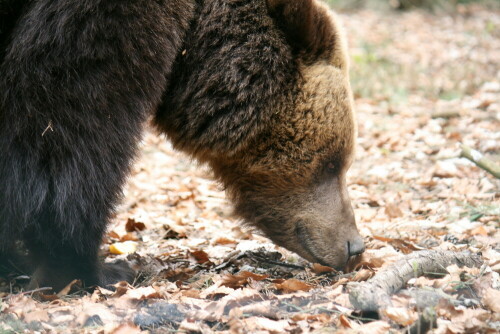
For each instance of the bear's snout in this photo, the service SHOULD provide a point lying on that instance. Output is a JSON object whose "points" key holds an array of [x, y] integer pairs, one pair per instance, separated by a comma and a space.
{"points": [[332, 245]]}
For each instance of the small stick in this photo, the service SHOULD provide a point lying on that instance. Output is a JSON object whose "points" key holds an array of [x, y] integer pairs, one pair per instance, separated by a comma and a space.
{"points": [[48, 288], [375, 294], [482, 162], [446, 114]]}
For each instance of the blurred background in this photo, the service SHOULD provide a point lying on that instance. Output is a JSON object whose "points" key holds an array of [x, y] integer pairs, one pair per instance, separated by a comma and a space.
{"points": [[408, 4], [438, 49]]}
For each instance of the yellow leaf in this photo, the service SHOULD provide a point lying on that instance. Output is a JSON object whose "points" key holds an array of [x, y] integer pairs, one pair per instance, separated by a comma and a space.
{"points": [[127, 247]]}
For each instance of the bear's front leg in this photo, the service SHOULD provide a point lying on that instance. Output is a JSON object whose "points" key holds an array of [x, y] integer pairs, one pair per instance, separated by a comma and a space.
{"points": [[60, 263], [78, 81]]}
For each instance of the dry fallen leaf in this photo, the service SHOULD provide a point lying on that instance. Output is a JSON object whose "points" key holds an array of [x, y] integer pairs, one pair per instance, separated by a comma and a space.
{"points": [[393, 211], [259, 324], [363, 275], [66, 290], [126, 329], [133, 226], [126, 247], [241, 279], [463, 320], [402, 316], [491, 299], [191, 293], [344, 321], [259, 309], [113, 235], [480, 230], [191, 326], [37, 315], [320, 269], [21, 305], [224, 241], [129, 237], [405, 247], [293, 285], [374, 327], [143, 293]]}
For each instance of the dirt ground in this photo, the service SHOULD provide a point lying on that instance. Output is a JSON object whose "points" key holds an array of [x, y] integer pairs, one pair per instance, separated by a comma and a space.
{"points": [[424, 84]]}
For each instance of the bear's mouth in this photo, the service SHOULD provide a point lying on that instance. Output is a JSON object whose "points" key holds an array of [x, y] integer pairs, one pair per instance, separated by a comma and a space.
{"points": [[305, 241]]}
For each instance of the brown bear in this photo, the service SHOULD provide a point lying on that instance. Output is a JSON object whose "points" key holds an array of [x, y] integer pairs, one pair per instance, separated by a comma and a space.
{"points": [[257, 89]]}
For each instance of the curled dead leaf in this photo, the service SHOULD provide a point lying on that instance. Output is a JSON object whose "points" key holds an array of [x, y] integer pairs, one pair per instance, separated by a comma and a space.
{"points": [[67, 289], [241, 279], [134, 226], [401, 315], [201, 257], [320, 269], [363, 275], [113, 235], [344, 321], [121, 288]]}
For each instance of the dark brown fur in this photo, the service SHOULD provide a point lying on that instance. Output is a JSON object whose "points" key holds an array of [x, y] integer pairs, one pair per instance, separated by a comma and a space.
{"points": [[78, 81], [308, 30]]}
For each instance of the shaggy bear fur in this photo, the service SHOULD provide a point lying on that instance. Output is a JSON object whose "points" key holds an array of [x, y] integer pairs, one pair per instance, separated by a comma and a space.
{"points": [[257, 89]]}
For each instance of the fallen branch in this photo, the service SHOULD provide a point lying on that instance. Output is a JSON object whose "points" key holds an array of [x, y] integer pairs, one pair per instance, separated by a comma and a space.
{"points": [[480, 160], [375, 294]]}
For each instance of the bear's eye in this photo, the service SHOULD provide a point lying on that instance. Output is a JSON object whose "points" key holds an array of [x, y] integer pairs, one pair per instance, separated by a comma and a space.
{"points": [[331, 167]]}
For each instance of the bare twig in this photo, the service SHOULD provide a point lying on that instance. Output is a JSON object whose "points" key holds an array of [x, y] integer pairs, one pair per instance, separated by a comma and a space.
{"points": [[30, 292], [263, 259], [446, 114], [375, 294], [480, 160]]}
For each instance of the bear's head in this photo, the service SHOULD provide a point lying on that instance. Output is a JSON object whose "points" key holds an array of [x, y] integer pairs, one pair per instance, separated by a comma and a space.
{"points": [[261, 93]]}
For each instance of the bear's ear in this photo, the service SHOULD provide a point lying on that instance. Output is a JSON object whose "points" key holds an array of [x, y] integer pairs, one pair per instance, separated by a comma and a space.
{"points": [[308, 26]]}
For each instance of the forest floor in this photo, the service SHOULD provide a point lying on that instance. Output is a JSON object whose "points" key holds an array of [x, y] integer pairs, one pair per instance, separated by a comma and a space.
{"points": [[424, 84]]}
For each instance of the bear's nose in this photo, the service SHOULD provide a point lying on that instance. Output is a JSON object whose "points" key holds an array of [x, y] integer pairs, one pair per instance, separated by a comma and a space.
{"points": [[356, 246]]}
